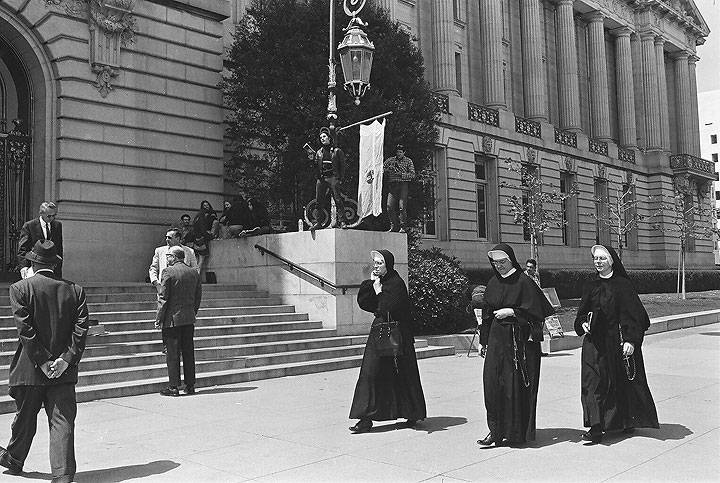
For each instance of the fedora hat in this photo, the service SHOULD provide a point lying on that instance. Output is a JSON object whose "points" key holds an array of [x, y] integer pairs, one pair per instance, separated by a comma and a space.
{"points": [[44, 252]]}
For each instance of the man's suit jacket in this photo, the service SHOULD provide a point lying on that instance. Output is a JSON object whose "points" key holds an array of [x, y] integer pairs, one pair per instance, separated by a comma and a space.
{"points": [[51, 316], [179, 296], [159, 262], [31, 232]]}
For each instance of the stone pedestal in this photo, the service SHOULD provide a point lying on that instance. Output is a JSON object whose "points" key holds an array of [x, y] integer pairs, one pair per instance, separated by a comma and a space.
{"points": [[339, 256]]}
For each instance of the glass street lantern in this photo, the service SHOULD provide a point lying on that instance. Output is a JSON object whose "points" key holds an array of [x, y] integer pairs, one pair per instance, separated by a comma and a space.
{"points": [[356, 57]]}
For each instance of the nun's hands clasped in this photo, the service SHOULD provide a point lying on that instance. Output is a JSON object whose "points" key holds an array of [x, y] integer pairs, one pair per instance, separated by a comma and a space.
{"points": [[504, 313]]}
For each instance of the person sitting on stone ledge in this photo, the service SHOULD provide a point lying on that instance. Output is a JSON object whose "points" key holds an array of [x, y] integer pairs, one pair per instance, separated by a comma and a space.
{"points": [[258, 219], [234, 218], [187, 232]]}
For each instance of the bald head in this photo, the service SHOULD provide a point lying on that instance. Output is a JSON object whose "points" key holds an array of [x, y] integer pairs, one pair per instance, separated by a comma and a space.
{"points": [[178, 252]]}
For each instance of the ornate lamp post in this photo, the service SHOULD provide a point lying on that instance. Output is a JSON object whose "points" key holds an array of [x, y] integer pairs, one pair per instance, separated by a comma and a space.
{"points": [[356, 56]]}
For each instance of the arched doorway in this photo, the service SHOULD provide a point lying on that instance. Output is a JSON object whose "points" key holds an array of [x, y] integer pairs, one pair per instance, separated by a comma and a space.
{"points": [[25, 120]]}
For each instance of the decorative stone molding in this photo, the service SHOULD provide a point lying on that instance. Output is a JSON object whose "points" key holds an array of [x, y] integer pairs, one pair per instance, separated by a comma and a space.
{"points": [[618, 7], [601, 171], [531, 155], [570, 164], [112, 25], [488, 145], [629, 177]]}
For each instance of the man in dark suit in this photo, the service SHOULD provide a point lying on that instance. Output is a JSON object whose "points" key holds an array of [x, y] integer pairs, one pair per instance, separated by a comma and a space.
{"points": [[44, 227], [178, 302], [52, 321]]}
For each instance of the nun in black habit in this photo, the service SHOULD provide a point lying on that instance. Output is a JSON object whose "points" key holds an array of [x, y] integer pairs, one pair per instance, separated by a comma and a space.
{"points": [[389, 387], [615, 393], [514, 310]]}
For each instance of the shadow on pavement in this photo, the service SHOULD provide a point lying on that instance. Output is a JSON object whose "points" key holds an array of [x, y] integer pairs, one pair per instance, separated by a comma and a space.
{"points": [[667, 431], [221, 390], [549, 436], [439, 423], [557, 354], [709, 333], [113, 475]]}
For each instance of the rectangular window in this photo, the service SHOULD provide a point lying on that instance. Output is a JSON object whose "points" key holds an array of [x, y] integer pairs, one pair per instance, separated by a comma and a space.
{"points": [[458, 73], [486, 197], [717, 195], [715, 157], [602, 230], [428, 218], [713, 139], [456, 9], [631, 233], [570, 227]]}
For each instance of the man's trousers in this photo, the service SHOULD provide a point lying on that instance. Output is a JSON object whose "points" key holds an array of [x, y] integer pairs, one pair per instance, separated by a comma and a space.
{"points": [[61, 408], [179, 343]]}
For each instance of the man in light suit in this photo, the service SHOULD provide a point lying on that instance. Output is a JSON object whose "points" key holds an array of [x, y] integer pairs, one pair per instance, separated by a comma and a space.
{"points": [[52, 321], [159, 261], [178, 303], [44, 227]]}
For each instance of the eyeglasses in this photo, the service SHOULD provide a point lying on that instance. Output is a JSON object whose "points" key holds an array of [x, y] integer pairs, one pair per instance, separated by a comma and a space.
{"points": [[500, 262]]}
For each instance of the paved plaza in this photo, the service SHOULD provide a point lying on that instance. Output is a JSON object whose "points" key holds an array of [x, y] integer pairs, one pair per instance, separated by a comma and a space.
{"points": [[295, 429]]}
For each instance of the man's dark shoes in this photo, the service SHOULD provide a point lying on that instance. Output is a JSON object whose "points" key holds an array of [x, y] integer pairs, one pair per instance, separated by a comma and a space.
{"points": [[593, 436], [362, 426], [488, 440], [14, 468], [170, 391], [410, 423], [189, 390]]}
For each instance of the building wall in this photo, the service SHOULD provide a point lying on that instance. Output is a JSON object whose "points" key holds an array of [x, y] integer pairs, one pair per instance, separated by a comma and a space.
{"points": [[127, 165]]}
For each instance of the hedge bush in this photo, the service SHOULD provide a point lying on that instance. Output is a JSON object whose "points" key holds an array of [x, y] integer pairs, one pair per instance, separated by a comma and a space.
{"points": [[569, 283], [439, 292]]}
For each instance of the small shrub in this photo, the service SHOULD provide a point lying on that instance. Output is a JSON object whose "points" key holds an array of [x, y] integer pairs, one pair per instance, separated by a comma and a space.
{"points": [[439, 292]]}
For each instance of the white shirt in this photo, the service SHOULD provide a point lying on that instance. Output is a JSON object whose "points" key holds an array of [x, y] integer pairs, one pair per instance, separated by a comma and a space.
{"points": [[45, 228], [159, 261]]}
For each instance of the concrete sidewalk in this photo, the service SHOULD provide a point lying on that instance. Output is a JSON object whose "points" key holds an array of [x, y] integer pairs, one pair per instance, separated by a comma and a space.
{"points": [[295, 429]]}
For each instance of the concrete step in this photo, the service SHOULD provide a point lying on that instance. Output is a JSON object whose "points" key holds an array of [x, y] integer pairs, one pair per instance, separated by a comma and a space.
{"points": [[142, 287], [97, 298], [224, 345], [125, 320], [206, 379]]}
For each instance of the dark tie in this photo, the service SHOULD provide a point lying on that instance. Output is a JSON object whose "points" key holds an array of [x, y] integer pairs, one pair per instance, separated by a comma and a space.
{"points": [[49, 234]]}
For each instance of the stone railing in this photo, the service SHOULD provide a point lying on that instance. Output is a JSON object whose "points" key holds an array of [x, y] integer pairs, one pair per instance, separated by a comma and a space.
{"points": [[598, 147], [688, 161], [442, 101], [528, 127], [566, 137], [627, 155], [485, 115]]}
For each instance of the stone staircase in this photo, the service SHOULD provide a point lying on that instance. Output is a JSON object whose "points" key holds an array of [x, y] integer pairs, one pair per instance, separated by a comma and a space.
{"points": [[242, 334]]}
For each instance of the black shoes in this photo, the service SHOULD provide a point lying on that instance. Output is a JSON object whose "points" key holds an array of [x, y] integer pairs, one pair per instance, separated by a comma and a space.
{"points": [[489, 439], [14, 468], [189, 390], [593, 436], [410, 423], [170, 391], [362, 426]]}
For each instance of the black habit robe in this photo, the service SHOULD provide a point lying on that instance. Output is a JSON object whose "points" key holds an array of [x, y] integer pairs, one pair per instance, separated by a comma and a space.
{"points": [[512, 363], [608, 398], [388, 388]]}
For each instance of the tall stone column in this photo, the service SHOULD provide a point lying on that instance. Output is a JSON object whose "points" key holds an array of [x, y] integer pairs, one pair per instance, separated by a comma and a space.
{"points": [[683, 107], [491, 31], [568, 86], [533, 70], [599, 102], [651, 97], [662, 93], [627, 131], [444, 59], [692, 59], [389, 6]]}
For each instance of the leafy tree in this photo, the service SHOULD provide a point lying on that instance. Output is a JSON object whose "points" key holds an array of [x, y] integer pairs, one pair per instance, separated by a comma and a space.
{"points": [[682, 215], [620, 216], [276, 91], [535, 207]]}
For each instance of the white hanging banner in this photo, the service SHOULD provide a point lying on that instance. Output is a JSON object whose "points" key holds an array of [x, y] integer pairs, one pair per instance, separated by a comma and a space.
{"points": [[370, 179]]}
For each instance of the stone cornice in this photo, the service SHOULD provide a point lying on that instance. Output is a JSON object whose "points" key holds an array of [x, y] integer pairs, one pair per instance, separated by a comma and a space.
{"points": [[672, 9]]}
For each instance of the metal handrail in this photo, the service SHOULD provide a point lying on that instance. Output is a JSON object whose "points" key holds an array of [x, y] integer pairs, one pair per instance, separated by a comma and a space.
{"points": [[322, 282]]}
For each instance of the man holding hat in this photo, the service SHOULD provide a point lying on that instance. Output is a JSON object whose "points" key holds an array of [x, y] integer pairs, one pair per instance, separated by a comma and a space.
{"points": [[52, 320], [398, 171], [178, 302], [330, 162]]}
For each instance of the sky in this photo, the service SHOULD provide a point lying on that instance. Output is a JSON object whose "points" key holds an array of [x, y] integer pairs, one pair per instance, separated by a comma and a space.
{"points": [[709, 53]]}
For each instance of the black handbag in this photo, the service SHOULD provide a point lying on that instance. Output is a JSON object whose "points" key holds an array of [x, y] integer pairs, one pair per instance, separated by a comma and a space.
{"points": [[386, 336]]}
